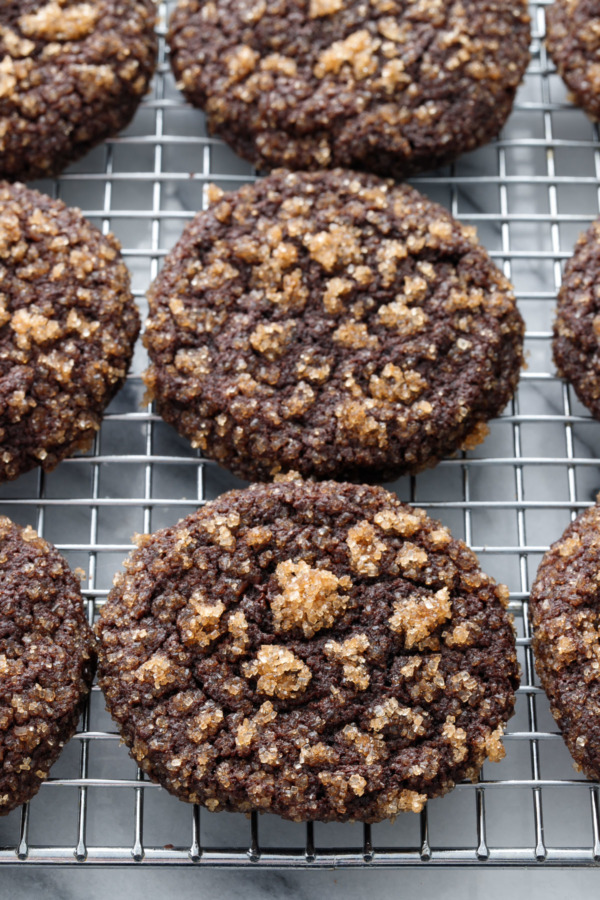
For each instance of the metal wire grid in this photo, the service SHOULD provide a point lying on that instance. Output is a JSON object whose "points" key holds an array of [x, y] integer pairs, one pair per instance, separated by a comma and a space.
{"points": [[529, 194]]}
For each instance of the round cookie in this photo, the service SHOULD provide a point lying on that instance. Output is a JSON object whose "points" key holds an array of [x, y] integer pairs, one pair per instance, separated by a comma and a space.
{"points": [[390, 86], [565, 615], [71, 74], [47, 660], [68, 324], [333, 324], [576, 346], [573, 42], [316, 650]]}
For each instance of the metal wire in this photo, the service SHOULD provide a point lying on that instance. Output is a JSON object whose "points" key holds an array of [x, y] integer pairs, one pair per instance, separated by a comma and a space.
{"points": [[529, 194]]}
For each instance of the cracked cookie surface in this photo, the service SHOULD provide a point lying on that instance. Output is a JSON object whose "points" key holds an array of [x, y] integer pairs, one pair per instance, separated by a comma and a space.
{"points": [[68, 324], [565, 615], [573, 42], [390, 86], [576, 345], [71, 74], [315, 650], [333, 324], [47, 660]]}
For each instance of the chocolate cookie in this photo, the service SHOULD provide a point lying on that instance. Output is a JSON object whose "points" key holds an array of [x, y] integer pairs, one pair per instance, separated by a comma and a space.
{"points": [[390, 86], [71, 74], [47, 660], [68, 324], [577, 327], [573, 42], [315, 650], [330, 323], [565, 615]]}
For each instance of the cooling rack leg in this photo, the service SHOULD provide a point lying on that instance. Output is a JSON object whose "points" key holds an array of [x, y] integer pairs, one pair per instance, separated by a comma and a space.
{"points": [[595, 799], [425, 848], [482, 847], [137, 851], [23, 848], [195, 848], [310, 842], [254, 848]]}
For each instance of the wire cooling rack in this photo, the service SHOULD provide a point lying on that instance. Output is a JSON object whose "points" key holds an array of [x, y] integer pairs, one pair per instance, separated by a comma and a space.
{"points": [[529, 194]]}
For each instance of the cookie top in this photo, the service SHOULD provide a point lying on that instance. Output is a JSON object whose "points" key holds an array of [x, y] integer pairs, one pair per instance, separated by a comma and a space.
{"points": [[47, 660], [71, 74], [315, 650], [565, 614], [390, 86], [68, 324], [330, 323], [573, 42], [576, 345]]}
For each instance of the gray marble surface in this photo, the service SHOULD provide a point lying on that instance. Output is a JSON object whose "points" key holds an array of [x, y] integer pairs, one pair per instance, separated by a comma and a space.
{"points": [[495, 884]]}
